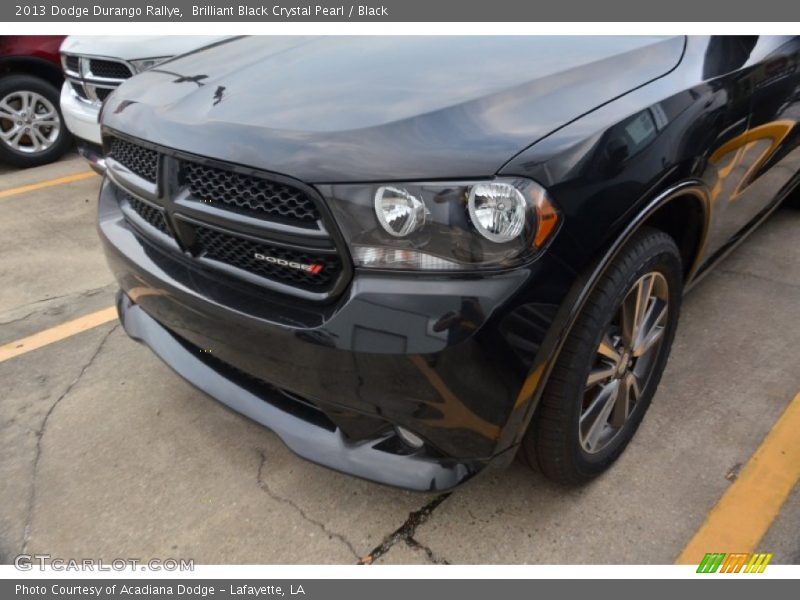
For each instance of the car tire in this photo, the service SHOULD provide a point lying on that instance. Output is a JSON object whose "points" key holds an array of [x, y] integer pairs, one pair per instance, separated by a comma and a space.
{"points": [[32, 129], [606, 361]]}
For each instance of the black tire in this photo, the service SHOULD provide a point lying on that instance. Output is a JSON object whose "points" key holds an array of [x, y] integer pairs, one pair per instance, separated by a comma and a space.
{"points": [[553, 441], [27, 83]]}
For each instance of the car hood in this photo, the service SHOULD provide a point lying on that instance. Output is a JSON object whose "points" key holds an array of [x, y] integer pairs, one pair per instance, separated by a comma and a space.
{"points": [[335, 109], [134, 47]]}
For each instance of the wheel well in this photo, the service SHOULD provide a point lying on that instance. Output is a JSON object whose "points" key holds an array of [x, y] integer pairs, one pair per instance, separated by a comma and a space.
{"points": [[21, 65], [684, 219]]}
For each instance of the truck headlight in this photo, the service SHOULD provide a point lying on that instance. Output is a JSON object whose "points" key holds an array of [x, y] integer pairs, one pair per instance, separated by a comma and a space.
{"points": [[443, 225], [399, 212], [142, 64]]}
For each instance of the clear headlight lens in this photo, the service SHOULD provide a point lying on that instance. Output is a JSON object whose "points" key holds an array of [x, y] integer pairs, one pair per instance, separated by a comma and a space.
{"points": [[143, 64], [497, 211], [399, 212], [443, 226]]}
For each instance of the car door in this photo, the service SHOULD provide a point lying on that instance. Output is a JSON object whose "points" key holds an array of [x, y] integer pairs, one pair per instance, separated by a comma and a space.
{"points": [[754, 166]]}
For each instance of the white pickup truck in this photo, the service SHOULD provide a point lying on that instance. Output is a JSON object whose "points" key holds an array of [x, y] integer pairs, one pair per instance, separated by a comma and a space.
{"points": [[95, 65]]}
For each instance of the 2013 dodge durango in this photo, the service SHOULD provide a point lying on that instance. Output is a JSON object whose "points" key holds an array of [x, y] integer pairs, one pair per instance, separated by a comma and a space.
{"points": [[414, 257]]}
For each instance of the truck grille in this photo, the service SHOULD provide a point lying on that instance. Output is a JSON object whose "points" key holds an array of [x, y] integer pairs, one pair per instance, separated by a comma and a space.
{"points": [[249, 194], [261, 228], [241, 253], [109, 69], [73, 63], [93, 79], [149, 214], [140, 160]]}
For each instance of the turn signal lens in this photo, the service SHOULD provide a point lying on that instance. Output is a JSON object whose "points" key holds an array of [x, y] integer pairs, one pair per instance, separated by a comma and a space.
{"points": [[546, 218], [396, 258]]}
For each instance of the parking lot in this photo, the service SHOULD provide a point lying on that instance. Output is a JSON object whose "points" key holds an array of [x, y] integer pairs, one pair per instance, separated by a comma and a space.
{"points": [[105, 453]]}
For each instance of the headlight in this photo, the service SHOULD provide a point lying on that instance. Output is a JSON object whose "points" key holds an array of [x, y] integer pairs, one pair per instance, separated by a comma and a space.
{"points": [[498, 211], [398, 212], [443, 226], [143, 64]]}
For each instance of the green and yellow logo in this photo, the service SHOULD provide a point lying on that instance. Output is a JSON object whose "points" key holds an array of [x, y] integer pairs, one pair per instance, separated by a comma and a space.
{"points": [[734, 563]]}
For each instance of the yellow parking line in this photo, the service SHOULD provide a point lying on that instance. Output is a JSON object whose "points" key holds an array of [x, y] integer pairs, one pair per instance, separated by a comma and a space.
{"points": [[46, 184], [749, 506], [57, 333]]}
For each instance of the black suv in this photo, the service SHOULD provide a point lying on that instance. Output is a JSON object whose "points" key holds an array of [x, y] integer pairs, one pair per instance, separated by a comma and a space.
{"points": [[412, 257]]}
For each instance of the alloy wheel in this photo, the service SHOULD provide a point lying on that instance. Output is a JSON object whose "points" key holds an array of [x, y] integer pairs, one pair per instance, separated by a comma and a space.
{"points": [[624, 362], [29, 122]]}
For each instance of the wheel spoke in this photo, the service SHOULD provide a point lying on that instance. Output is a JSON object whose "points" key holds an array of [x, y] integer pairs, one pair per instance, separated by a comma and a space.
{"points": [[642, 303], [626, 398], [7, 135], [35, 141], [8, 110], [15, 141], [607, 349], [41, 139], [634, 309], [595, 418], [31, 98], [633, 385], [653, 329], [13, 136], [600, 374]]}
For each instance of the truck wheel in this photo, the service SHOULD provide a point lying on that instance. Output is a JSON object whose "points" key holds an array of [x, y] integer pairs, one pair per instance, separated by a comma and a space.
{"points": [[32, 130], [608, 370]]}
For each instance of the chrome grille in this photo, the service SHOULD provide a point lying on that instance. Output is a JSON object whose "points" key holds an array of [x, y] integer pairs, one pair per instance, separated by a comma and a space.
{"points": [[93, 79], [73, 63], [78, 89]]}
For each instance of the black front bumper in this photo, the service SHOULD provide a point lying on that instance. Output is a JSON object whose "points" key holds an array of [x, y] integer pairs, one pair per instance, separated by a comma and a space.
{"points": [[290, 420], [334, 380]]}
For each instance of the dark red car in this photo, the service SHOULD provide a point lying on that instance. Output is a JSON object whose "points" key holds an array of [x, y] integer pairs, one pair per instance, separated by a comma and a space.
{"points": [[32, 130]]}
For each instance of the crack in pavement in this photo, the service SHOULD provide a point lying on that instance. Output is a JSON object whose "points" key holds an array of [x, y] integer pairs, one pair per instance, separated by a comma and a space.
{"points": [[266, 489], [84, 294], [406, 533], [414, 544], [17, 319], [42, 429]]}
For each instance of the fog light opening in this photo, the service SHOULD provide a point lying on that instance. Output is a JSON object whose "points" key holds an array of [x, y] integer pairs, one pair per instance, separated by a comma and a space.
{"points": [[408, 438]]}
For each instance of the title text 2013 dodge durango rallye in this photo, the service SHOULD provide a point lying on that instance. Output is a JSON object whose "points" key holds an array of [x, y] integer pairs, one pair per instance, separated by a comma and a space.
{"points": [[413, 257]]}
